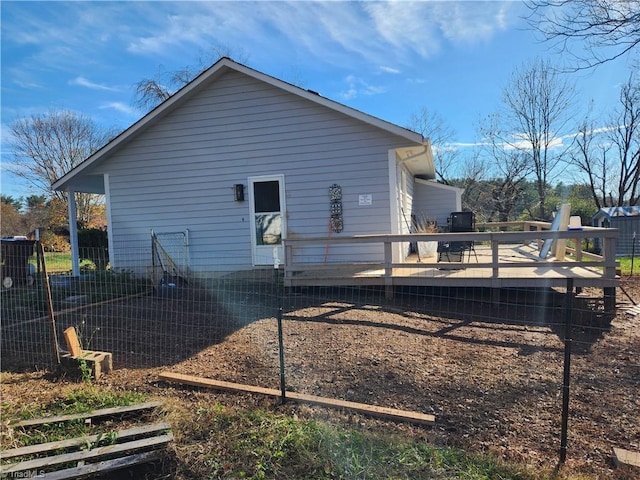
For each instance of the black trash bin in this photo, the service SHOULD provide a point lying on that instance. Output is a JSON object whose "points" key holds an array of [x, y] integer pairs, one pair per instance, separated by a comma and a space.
{"points": [[15, 254]]}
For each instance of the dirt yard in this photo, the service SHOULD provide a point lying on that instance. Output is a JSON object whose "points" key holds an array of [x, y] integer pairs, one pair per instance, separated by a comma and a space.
{"points": [[494, 385]]}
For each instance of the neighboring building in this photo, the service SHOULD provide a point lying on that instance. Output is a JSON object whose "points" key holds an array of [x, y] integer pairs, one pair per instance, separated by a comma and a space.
{"points": [[244, 160], [625, 219]]}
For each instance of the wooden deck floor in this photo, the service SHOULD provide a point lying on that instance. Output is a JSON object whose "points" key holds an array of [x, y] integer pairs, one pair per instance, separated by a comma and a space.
{"points": [[516, 266]]}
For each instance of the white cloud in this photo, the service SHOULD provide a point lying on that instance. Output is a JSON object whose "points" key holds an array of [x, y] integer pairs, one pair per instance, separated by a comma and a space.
{"points": [[521, 142], [190, 25], [391, 70], [357, 87], [23, 78], [121, 107], [471, 22], [83, 82], [380, 32], [56, 37]]}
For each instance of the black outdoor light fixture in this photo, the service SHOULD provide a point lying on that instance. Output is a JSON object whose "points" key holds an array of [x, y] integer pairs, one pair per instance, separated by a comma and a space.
{"points": [[238, 191]]}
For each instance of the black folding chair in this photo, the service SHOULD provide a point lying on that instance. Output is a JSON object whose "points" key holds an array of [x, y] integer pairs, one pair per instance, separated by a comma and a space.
{"points": [[459, 222]]}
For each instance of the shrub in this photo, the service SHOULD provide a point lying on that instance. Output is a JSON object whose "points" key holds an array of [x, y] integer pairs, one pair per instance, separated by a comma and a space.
{"points": [[54, 242], [93, 245]]}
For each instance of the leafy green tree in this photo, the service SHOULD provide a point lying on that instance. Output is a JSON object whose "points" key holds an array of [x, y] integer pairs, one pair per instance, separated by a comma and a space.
{"points": [[36, 201], [12, 222], [16, 203], [582, 203]]}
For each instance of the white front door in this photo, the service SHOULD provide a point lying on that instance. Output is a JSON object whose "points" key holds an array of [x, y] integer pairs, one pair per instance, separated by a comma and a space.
{"points": [[268, 219]]}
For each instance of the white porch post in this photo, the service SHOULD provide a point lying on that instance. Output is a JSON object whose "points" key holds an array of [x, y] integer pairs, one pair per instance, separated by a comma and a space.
{"points": [[394, 205], [73, 233], [107, 199]]}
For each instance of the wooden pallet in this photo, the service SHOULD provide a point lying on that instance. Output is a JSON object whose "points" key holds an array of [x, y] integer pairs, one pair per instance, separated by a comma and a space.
{"points": [[83, 456]]}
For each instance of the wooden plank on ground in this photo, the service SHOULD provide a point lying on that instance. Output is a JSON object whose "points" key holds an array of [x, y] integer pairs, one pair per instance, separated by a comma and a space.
{"points": [[105, 412], [383, 412], [623, 457], [217, 384], [38, 463], [80, 441], [104, 466]]}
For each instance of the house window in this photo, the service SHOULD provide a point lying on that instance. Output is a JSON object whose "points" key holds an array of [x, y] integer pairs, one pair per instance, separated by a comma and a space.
{"points": [[266, 196], [268, 221]]}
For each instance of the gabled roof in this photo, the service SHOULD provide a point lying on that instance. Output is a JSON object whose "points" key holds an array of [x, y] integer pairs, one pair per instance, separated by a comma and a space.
{"points": [[219, 68], [612, 212]]}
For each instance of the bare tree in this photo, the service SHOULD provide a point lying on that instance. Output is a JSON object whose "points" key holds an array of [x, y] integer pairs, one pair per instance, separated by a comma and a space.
{"points": [[471, 181], [625, 140], [508, 169], [151, 92], [610, 156], [47, 146], [432, 126], [603, 29], [537, 103], [590, 157]]}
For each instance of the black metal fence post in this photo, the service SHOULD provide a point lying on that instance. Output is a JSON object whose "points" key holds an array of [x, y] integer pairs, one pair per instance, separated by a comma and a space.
{"points": [[567, 370], [283, 389]]}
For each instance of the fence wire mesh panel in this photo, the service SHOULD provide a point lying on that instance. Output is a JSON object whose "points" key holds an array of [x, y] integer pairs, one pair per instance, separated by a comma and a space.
{"points": [[488, 364], [170, 252]]}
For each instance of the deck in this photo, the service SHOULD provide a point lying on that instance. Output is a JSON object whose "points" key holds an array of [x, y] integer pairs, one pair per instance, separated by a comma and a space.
{"points": [[501, 259]]}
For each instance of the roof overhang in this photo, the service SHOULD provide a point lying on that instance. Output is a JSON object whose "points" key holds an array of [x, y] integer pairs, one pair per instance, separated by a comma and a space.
{"points": [[434, 184], [87, 184], [418, 159]]}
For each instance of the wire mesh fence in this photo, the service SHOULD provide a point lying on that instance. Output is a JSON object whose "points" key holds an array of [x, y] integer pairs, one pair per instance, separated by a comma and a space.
{"points": [[490, 368]]}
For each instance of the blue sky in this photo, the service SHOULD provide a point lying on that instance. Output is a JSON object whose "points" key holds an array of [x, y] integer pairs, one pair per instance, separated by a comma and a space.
{"points": [[388, 59]]}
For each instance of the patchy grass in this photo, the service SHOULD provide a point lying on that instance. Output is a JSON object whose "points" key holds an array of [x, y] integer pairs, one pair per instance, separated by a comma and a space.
{"points": [[267, 441], [61, 262], [215, 441], [625, 265], [80, 400], [75, 400], [25, 303]]}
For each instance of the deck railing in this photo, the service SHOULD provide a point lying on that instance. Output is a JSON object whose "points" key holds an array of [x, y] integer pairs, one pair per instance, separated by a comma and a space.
{"points": [[494, 235]]}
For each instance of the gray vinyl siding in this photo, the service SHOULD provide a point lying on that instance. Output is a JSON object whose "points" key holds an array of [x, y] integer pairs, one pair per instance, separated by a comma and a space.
{"points": [[179, 172], [627, 243], [434, 201]]}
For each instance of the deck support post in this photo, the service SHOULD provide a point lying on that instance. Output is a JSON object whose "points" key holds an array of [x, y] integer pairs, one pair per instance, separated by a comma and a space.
{"points": [[388, 271], [495, 257], [609, 295], [495, 296], [388, 292]]}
